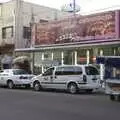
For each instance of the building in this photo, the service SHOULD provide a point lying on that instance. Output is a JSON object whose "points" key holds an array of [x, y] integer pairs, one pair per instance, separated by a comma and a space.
{"points": [[75, 40], [16, 19]]}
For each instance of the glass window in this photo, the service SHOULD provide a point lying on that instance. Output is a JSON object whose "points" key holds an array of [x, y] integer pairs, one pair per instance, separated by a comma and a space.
{"points": [[19, 72], [112, 72], [107, 51], [78, 70], [7, 32], [26, 32], [68, 71], [91, 70], [37, 63], [81, 56], [68, 57], [59, 71], [48, 71], [57, 57]]}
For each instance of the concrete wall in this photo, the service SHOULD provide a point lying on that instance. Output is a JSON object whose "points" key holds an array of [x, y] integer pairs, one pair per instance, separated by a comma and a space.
{"points": [[17, 13], [6, 19]]}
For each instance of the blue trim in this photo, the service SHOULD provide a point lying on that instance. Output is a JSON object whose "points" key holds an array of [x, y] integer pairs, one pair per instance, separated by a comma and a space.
{"points": [[109, 61]]}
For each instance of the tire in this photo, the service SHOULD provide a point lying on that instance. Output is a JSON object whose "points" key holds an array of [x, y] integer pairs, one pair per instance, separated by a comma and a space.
{"points": [[72, 88], [112, 97], [10, 84], [36, 86]]}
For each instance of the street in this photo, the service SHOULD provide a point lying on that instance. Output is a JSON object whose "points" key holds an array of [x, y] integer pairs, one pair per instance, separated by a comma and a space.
{"points": [[21, 104]]}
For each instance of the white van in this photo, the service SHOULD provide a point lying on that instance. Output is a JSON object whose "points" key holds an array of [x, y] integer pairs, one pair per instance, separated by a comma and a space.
{"points": [[68, 77]]}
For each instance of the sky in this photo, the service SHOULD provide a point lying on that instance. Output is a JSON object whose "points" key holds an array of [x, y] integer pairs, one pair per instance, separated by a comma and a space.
{"points": [[86, 6]]}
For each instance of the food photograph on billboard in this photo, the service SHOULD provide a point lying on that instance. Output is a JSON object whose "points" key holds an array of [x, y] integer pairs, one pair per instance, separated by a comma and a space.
{"points": [[82, 29]]}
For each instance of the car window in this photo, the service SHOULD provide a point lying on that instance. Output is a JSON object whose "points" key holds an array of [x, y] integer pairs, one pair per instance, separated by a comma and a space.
{"points": [[3, 74], [91, 70], [64, 71], [7, 71], [78, 70], [68, 71], [19, 72], [48, 72]]}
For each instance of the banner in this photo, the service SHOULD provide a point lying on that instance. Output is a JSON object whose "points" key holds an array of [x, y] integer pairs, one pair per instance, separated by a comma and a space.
{"points": [[82, 29]]}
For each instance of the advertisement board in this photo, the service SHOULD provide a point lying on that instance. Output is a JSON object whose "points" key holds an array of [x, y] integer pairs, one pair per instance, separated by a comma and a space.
{"points": [[90, 28]]}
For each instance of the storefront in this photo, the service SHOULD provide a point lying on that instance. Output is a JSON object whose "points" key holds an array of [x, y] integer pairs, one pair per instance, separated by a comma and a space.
{"points": [[6, 56], [47, 57], [74, 40]]}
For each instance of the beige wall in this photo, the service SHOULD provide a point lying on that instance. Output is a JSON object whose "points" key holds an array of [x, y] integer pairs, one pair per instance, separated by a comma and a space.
{"points": [[9, 12], [6, 20]]}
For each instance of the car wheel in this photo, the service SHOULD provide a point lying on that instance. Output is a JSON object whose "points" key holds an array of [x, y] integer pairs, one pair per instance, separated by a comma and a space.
{"points": [[36, 86], [72, 88], [10, 84], [112, 97]]}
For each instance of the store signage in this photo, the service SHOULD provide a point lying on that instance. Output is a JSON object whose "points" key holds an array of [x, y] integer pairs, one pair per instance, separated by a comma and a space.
{"points": [[83, 29]]}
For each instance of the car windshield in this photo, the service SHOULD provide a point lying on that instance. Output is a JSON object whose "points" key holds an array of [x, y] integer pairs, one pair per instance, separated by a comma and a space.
{"points": [[19, 72], [91, 70]]}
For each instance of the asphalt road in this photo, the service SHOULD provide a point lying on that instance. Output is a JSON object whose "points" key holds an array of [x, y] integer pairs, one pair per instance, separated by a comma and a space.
{"points": [[22, 104]]}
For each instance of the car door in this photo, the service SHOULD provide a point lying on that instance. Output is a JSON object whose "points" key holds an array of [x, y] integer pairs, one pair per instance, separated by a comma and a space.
{"points": [[47, 78], [4, 76], [63, 75], [66, 74], [92, 74], [21, 76]]}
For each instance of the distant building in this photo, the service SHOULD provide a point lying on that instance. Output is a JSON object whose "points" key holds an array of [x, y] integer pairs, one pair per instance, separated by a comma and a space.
{"points": [[16, 19]]}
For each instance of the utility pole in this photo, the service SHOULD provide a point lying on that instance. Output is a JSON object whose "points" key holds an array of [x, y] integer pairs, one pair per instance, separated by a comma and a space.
{"points": [[74, 7], [18, 23]]}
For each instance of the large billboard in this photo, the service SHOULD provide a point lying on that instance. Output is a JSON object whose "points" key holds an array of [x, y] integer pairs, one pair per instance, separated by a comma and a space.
{"points": [[90, 28]]}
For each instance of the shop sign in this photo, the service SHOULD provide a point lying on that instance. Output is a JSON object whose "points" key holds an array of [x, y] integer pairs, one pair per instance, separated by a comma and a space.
{"points": [[83, 29]]}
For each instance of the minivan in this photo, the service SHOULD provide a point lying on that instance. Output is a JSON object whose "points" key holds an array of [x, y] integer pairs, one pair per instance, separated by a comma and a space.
{"points": [[68, 77]]}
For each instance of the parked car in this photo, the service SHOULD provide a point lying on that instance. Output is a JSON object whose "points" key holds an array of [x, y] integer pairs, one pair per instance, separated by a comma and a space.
{"points": [[68, 77], [15, 77]]}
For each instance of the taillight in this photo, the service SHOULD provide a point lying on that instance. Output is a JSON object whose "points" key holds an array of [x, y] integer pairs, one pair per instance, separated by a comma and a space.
{"points": [[84, 78]]}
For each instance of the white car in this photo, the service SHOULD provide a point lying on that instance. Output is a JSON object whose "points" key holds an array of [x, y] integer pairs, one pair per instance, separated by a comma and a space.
{"points": [[15, 77], [68, 77]]}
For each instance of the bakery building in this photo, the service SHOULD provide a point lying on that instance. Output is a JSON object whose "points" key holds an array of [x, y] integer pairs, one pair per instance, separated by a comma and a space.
{"points": [[74, 40]]}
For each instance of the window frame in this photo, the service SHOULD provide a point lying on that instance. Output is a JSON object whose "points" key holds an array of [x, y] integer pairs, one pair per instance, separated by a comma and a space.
{"points": [[46, 74], [4, 32], [89, 72], [26, 32]]}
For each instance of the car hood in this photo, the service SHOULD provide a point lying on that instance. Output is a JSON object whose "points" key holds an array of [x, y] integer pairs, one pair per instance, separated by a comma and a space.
{"points": [[36, 77]]}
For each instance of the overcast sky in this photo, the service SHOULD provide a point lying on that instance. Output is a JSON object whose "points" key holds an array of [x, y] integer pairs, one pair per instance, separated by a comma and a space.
{"points": [[86, 5]]}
